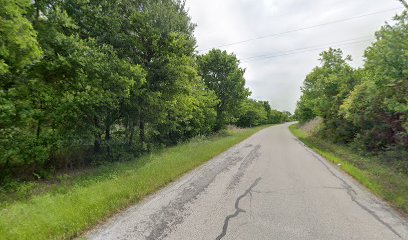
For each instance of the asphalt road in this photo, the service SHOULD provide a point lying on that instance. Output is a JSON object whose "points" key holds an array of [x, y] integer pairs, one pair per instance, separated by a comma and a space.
{"points": [[268, 187]]}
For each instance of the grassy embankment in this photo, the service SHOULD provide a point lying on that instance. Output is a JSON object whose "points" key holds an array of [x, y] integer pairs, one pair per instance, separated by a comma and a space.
{"points": [[381, 175], [77, 203]]}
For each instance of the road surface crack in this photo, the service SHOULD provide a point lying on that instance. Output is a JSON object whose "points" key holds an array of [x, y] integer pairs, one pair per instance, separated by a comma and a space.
{"points": [[161, 222], [237, 209]]}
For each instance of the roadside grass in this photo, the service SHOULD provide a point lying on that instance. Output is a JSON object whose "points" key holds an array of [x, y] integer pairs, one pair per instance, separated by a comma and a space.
{"points": [[382, 177], [79, 203]]}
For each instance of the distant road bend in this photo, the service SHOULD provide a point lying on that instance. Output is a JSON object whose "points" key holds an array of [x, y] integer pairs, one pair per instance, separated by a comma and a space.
{"points": [[269, 186]]}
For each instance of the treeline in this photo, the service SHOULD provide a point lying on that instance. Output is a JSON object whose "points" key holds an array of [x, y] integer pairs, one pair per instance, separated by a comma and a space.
{"points": [[83, 80], [365, 107], [253, 113]]}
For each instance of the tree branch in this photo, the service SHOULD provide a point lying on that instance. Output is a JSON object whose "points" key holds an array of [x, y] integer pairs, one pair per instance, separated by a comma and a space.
{"points": [[403, 2]]}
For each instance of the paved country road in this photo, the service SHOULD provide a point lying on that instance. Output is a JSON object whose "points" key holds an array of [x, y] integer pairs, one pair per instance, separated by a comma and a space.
{"points": [[267, 187]]}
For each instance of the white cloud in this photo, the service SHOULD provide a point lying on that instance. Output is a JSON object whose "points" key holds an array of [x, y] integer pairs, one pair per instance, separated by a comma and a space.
{"points": [[278, 80]]}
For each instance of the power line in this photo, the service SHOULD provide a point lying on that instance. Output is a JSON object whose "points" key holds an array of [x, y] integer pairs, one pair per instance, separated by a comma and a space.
{"points": [[291, 52], [306, 50], [366, 37], [304, 28]]}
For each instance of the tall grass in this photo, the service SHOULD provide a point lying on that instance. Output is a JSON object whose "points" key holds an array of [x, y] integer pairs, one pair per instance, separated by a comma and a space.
{"points": [[382, 177], [67, 213]]}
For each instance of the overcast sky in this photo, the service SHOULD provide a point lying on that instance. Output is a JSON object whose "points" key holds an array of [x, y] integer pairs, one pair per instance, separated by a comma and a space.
{"points": [[278, 78]]}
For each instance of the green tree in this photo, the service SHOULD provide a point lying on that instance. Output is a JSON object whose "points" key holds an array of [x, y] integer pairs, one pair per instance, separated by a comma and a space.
{"points": [[279, 117], [324, 91], [70, 99], [18, 50], [80, 78], [379, 105], [252, 113], [222, 74], [304, 109], [18, 44], [153, 34]]}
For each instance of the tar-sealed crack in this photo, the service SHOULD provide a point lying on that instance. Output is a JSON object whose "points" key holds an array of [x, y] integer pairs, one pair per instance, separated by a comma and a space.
{"points": [[173, 214], [350, 191], [237, 209]]}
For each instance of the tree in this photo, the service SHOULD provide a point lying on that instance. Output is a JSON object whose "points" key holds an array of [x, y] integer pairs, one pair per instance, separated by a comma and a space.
{"points": [[188, 109], [70, 98], [304, 109], [252, 113], [222, 74], [18, 50], [278, 116], [18, 43], [379, 105], [324, 91], [80, 78]]}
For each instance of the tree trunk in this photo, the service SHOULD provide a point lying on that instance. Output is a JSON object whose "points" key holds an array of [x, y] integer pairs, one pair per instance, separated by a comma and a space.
{"points": [[219, 120], [98, 140], [131, 133], [38, 128], [142, 131], [107, 133], [97, 144], [108, 137]]}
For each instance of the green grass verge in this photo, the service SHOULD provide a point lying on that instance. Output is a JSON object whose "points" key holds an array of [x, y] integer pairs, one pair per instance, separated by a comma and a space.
{"points": [[381, 177], [68, 211]]}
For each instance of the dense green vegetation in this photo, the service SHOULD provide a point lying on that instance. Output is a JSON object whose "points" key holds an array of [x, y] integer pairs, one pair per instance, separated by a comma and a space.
{"points": [[387, 179], [366, 107], [253, 113], [81, 201], [89, 81]]}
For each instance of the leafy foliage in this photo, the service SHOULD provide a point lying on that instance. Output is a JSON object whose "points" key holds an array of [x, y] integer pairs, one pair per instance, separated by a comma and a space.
{"points": [[85, 81], [379, 105], [325, 89], [367, 106], [18, 44], [222, 74], [254, 113]]}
